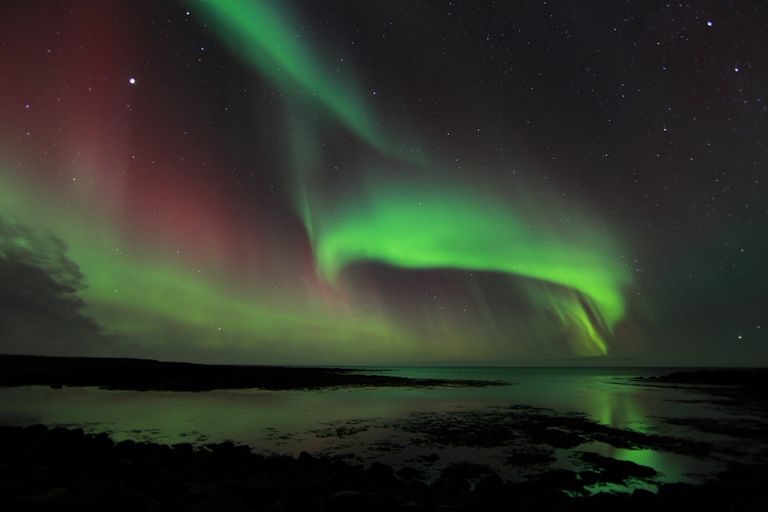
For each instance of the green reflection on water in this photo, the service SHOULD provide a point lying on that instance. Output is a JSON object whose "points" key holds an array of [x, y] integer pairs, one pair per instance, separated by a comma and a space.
{"points": [[625, 409], [290, 422]]}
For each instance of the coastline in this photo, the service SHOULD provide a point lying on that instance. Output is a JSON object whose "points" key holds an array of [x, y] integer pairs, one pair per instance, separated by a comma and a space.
{"points": [[64, 468], [745, 387], [150, 375]]}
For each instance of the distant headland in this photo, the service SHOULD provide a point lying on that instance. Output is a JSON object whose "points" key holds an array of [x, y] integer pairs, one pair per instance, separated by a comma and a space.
{"points": [[151, 375]]}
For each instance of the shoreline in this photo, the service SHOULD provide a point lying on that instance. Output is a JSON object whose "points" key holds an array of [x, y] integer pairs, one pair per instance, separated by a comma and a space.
{"points": [[66, 469], [743, 377], [745, 387], [133, 374], [150, 375]]}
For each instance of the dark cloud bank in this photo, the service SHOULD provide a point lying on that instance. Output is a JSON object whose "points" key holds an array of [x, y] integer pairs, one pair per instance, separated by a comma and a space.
{"points": [[40, 310]]}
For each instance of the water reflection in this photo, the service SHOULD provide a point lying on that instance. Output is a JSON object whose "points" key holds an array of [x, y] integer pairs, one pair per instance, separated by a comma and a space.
{"points": [[364, 422], [627, 408]]}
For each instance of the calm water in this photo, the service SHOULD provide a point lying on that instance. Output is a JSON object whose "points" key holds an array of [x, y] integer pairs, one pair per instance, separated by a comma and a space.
{"points": [[358, 422]]}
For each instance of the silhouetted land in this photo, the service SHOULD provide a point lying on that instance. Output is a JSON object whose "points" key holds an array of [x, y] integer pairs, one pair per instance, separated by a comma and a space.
{"points": [[739, 383], [146, 374]]}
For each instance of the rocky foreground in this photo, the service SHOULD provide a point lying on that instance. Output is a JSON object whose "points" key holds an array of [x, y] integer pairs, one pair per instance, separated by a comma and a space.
{"points": [[60, 469], [45, 468], [147, 374]]}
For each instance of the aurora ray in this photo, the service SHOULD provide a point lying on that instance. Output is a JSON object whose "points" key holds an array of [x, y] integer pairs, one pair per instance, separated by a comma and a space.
{"points": [[260, 34], [389, 223], [262, 175], [462, 229]]}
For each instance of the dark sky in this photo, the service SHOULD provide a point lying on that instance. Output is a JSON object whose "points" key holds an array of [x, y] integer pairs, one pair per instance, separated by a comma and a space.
{"points": [[336, 182]]}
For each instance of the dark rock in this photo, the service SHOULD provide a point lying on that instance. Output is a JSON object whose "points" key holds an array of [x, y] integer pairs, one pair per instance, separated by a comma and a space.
{"points": [[557, 438], [642, 498], [416, 488], [300, 493], [61, 433], [137, 502], [432, 457], [381, 473], [346, 500], [559, 479], [60, 470], [35, 429], [615, 471], [529, 458], [126, 445], [591, 477], [551, 499], [451, 484], [227, 454], [184, 448], [123, 466], [466, 470], [259, 485], [382, 501], [101, 495], [167, 485], [311, 506], [55, 495], [409, 473], [211, 505], [39, 473], [412, 506], [491, 486]]}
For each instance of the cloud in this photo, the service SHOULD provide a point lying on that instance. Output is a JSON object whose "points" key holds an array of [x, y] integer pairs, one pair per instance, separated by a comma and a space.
{"points": [[40, 311]]}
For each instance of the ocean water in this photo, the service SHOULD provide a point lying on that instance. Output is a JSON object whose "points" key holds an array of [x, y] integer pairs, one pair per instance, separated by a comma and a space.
{"points": [[366, 424]]}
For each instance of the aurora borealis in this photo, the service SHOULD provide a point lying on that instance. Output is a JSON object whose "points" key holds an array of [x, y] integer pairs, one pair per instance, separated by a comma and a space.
{"points": [[264, 182]]}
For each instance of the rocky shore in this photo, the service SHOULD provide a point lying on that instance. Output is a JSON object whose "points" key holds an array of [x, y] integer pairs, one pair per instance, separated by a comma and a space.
{"points": [[62, 469], [146, 374], [45, 468]]}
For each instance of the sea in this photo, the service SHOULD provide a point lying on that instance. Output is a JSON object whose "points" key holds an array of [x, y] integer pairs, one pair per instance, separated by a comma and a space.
{"points": [[363, 425]]}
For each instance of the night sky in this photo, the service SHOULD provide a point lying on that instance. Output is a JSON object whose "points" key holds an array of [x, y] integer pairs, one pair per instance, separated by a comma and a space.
{"points": [[385, 181]]}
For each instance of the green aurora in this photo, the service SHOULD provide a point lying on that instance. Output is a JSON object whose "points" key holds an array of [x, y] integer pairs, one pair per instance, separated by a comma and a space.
{"points": [[408, 223], [184, 278]]}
